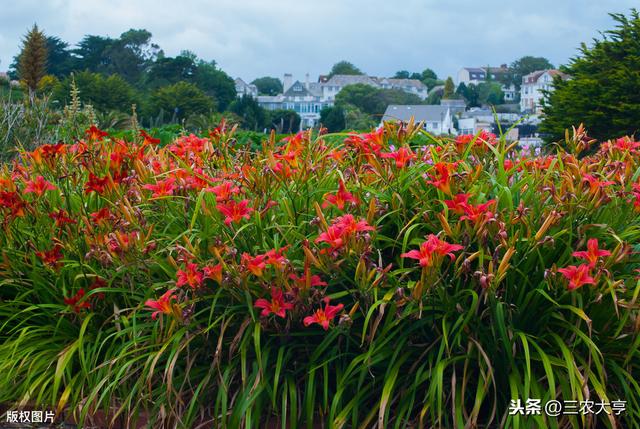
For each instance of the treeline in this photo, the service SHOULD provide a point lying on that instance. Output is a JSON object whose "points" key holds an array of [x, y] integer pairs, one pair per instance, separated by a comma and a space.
{"points": [[113, 74]]}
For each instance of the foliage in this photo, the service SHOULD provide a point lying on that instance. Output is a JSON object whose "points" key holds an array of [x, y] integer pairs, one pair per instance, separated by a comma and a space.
{"points": [[32, 64], [344, 67], [181, 99], [268, 85], [215, 83], [333, 119], [252, 116], [490, 93], [526, 65], [603, 91], [385, 280], [284, 121], [374, 101], [449, 89], [102, 92]]}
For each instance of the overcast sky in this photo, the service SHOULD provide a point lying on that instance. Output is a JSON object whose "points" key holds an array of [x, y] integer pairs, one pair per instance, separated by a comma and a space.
{"points": [[270, 37]]}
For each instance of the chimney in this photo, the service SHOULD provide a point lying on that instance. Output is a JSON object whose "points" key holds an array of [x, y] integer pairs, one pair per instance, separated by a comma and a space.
{"points": [[287, 82], [306, 81]]}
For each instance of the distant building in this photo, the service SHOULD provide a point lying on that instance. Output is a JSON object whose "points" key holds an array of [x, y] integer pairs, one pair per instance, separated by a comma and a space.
{"points": [[303, 98], [436, 119], [243, 88], [532, 86], [332, 86], [410, 86], [478, 75]]}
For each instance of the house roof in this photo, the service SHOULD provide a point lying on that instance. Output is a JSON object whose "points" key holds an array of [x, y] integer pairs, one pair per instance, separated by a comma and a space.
{"points": [[349, 79], [474, 69], [534, 76], [420, 112], [415, 83], [298, 89]]}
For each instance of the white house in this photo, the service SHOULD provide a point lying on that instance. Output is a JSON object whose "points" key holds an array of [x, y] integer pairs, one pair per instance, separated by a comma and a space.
{"points": [[436, 119], [410, 86], [533, 85], [243, 88], [299, 97], [478, 75]]}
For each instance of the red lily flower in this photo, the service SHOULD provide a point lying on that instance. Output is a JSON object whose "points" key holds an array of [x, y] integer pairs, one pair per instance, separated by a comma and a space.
{"points": [[341, 229], [277, 305], [73, 301], [51, 257], [162, 187], [61, 217], [95, 134], [592, 253], [323, 316], [234, 211], [162, 305], [102, 215], [39, 186], [478, 141], [214, 273], [402, 156], [13, 202], [595, 184], [96, 184], [458, 204], [442, 176], [275, 257], [340, 198], [477, 213], [255, 264], [433, 246], [578, 276], [148, 140], [224, 191], [191, 276], [301, 281]]}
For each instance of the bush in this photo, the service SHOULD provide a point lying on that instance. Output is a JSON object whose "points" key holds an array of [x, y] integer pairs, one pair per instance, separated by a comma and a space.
{"points": [[390, 279]]}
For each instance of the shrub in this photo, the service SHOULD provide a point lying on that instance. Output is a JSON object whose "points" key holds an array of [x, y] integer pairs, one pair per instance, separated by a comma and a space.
{"points": [[391, 280]]}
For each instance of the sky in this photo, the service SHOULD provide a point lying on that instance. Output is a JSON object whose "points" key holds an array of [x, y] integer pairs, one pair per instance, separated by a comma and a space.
{"points": [[254, 38]]}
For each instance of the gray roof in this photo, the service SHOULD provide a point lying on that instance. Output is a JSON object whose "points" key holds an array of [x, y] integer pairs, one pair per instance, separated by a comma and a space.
{"points": [[349, 79], [420, 112], [407, 82]]}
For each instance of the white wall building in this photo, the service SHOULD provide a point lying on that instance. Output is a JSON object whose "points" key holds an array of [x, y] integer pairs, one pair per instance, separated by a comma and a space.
{"points": [[533, 85], [243, 88], [436, 119], [478, 75]]}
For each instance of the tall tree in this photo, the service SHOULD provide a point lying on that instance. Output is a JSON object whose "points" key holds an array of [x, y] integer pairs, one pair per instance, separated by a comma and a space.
{"points": [[33, 58], [526, 65], [268, 85], [60, 61], [603, 91], [333, 118], [449, 88], [215, 83], [402, 74], [181, 100], [168, 70], [344, 67], [92, 53], [252, 116]]}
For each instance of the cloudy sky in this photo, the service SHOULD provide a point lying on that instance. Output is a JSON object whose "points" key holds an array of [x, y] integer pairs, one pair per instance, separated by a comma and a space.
{"points": [[270, 37]]}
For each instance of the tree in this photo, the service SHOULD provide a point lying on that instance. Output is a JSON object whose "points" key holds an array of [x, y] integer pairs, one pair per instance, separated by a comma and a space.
{"points": [[92, 53], [182, 100], [428, 74], [344, 67], [449, 89], [268, 85], [284, 121], [253, 117], [167, 70], [215, 83], [60, 62], [333, 119], [373, 101], [33, 59], [603, 91], [131, 54], [469, 93], [526, 65], [401, 74], [104, 93], [490, 93]]}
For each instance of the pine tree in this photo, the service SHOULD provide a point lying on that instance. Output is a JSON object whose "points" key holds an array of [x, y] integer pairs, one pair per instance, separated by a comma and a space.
{"points": [[449, 88], [33, 59], [603, 92]]}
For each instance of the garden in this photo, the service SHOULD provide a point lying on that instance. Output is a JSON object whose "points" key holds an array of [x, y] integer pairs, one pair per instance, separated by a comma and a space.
{"points": [[381, 279]]}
